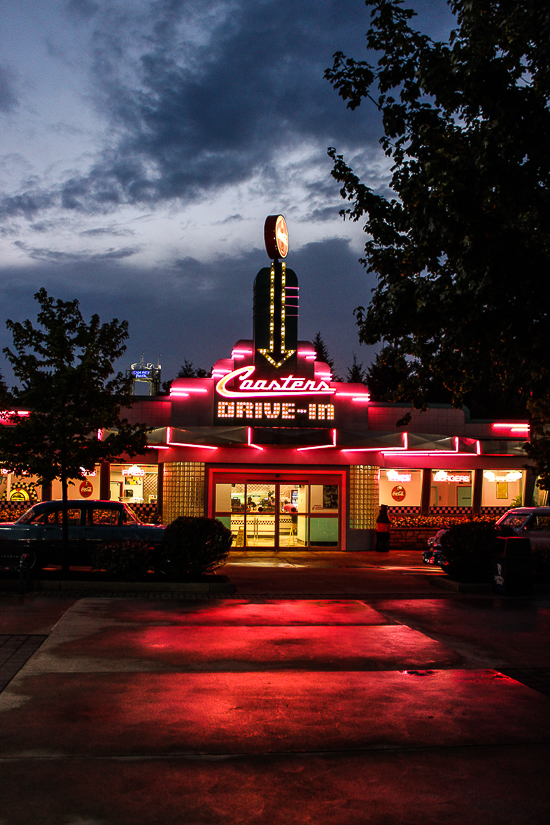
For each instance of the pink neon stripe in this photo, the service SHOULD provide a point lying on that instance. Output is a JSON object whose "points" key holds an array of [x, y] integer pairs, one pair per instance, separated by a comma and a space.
{"points": [[195, 446], [517, 427], [250, 444], [375, 450], [319, 447]]}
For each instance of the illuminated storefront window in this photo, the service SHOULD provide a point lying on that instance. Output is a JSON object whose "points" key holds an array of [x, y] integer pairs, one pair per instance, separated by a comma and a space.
{"points": [[502, 488], [401, 488], [451, 488], [269, 514], [134, 483]]}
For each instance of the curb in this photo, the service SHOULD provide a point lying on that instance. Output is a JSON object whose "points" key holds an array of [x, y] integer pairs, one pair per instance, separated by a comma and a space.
{"points": [[480, 587], [127, 587], [460, 587]]}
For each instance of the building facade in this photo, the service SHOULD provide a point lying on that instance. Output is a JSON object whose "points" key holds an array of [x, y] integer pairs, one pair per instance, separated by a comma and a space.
{"points": [[287, 457]]}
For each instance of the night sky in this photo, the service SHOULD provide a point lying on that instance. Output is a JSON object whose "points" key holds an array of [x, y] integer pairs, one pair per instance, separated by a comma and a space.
{"points": [[145, 141]]}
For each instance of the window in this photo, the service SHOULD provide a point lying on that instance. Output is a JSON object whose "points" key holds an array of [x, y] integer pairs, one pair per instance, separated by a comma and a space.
{"points": [[104, 516]]}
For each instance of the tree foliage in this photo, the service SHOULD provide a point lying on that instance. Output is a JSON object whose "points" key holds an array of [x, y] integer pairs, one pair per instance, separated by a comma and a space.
{"points": [[356, 374], [5, 399], [187, 370], [322, 352], [67, 382], [462, 250]]}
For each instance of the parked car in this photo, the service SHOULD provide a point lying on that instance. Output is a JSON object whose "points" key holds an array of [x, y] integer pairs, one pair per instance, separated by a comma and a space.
{"points": [[529, 522], [434, 553], [39, 532]]}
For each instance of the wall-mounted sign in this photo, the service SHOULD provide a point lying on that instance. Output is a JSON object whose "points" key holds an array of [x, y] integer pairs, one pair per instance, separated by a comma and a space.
{"points": [[276, 236], [398, 493], [265, 388], [288, 401], [455, 478], [19, 495], [86, 489]]}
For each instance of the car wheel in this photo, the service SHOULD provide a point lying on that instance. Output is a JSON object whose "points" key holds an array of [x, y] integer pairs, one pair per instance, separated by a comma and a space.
{"points": [[34, 562]]}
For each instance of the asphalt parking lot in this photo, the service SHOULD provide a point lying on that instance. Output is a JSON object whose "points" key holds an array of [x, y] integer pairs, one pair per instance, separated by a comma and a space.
{"points": [[328, 690]]}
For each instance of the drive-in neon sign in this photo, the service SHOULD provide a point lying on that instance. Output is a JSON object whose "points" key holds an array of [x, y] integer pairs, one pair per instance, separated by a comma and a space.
{"points": [[290, 386]]}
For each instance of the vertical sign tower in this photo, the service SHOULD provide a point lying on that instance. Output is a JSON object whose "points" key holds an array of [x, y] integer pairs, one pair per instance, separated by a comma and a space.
{"points": [[275, 303]]}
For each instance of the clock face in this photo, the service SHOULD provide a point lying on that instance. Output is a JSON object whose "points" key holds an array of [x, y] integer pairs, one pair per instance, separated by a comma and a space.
{"points": [[276, 236], [281, 236]]}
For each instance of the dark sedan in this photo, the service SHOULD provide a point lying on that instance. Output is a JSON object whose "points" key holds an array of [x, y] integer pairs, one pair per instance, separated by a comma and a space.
{"points": [[39, 532]]}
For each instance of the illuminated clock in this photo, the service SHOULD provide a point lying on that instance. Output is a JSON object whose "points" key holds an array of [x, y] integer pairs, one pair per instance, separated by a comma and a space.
{"points": [[276, 236]]}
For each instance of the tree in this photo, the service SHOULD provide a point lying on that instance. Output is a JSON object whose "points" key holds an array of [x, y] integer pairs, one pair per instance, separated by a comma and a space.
{"points": [[356, 374], [65, 367], [5, 399], [386, 375], [187, 370], [322, 353], [462, 250]]}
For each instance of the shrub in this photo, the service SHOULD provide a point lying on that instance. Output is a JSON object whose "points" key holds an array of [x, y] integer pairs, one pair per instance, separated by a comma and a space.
{"points": [[468, 550], [194, 546], [540, 565], [125, 560]]}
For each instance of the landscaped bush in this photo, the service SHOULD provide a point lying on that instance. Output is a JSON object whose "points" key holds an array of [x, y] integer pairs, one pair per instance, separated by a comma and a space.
{"points": [[125, 560], [194, 546], [468, 550], [540, 565]]}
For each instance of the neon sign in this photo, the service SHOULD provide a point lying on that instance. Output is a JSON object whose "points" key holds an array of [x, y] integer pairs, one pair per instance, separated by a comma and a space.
{"points": [[513, 475], [289, 401], [134, 470], [269, 412], [393, 475], [275, 388], [277, 352], [443, 475]]}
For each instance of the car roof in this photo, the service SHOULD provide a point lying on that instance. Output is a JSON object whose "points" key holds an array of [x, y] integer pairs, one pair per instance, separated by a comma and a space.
{"points": [[46, 505]]}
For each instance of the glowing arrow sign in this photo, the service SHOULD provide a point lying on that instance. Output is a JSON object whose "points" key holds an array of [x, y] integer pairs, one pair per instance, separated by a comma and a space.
{"points": [[277, 353]]}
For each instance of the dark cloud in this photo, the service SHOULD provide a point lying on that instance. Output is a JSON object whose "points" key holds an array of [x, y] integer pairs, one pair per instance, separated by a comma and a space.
{"points": [[60, 257], [83, 8], [106, 230], [201, 96], [198, 310], [215, 96], [8, 96]]}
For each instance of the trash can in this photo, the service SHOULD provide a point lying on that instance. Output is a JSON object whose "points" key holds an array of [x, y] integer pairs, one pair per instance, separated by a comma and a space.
{"points": [[512, 567]]}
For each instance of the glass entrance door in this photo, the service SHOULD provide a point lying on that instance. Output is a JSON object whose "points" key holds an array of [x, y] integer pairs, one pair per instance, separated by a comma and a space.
{"points": [[285, 514]]}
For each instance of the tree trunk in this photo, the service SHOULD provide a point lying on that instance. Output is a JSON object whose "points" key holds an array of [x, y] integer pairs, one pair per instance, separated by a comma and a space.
{"points": [[65, 523]]}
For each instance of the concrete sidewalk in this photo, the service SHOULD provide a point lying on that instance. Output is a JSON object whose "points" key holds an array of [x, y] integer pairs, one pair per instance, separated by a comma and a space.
{"points": [[263, 709]]}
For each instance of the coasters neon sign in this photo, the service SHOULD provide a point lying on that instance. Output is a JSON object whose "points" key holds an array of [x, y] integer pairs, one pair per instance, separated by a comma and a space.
{"points": [[276, 388]]}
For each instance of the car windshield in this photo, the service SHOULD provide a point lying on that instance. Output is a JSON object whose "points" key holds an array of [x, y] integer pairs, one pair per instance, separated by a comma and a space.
{"points": [[514, 520]]}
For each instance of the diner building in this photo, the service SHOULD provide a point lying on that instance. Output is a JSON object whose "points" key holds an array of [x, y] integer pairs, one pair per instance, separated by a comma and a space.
{"points": [[287, 457]]}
